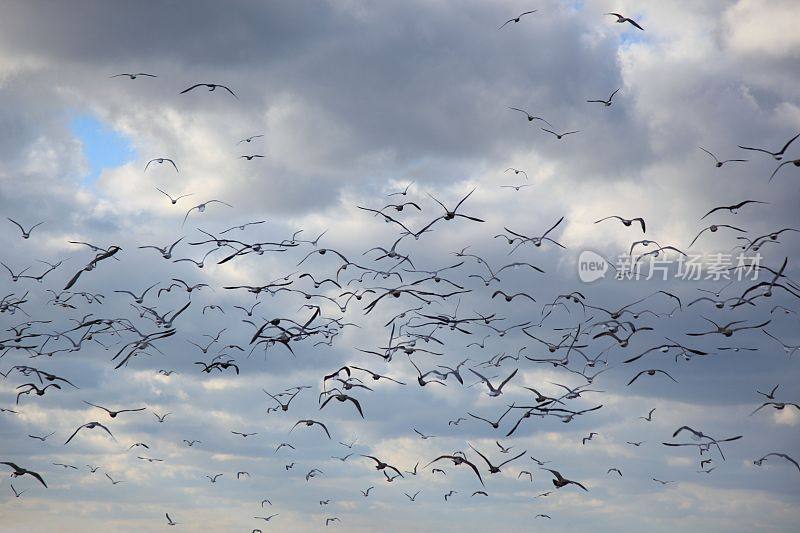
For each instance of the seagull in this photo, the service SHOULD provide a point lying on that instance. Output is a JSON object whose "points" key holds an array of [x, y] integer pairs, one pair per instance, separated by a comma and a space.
{"points": [[100, 256], [651, 372], [138, 298], [492, 390], [244, 435], [606, 103], [591, 435], [201, 208], [496, 469], [283, 445], [626, 222], [517, 171], [771, 395], [720, 163], [531, 118], [561, 481], [649, 416], [211, 88], [516, 187], [458, 460], [561, 135], [525, 472], [342, 398], [510, 297], [161, 160], [175, 199], [780, 406], [380, 465], [422, 435], [517, 18], [733, 208], [696, 435], [622, 19], [249, 139], [133, 76], [312, 473], [114, 482], [42, 437], [414, 497], [758, 462], [25, 234], [113, 414], [310, 423], [713, 229], [404, 192], [19, 471], [161, 417], [90, 425], [777, 156]]}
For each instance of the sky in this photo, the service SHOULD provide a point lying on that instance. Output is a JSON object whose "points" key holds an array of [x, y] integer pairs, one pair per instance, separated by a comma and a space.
{"points": [[354, 101]]}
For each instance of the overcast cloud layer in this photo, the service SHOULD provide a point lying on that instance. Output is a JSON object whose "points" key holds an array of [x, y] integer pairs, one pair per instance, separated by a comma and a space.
{"points": [[355, 100]]}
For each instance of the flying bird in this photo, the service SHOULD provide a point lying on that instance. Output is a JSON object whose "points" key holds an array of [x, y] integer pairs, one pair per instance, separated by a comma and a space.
{"points": [[626, 222], [25, 234], [211, 88], [623, 19], [777, 156], [133, 76], [607, 102], [19, 471], [517, 18], [733, 209], [718, 162], [560, 481], [161, 161], [758, 462], [89, 425]]}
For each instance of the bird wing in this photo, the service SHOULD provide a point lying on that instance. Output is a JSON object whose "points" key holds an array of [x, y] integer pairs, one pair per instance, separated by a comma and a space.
{"points": [[75, 433], [195, 86], [227, 89], [514, 373], [777, 169], [512, 459], [634, 378]]}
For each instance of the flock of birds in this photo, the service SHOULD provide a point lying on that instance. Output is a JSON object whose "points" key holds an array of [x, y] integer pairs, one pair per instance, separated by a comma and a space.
{"points": [[578, 336]]}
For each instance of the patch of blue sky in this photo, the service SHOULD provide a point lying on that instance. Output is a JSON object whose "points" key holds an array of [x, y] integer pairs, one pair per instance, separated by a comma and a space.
{"points": [[103, 147]]}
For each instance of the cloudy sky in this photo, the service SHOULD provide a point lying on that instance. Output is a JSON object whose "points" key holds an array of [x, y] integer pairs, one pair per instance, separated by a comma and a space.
{"points": [[355, 100]]}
